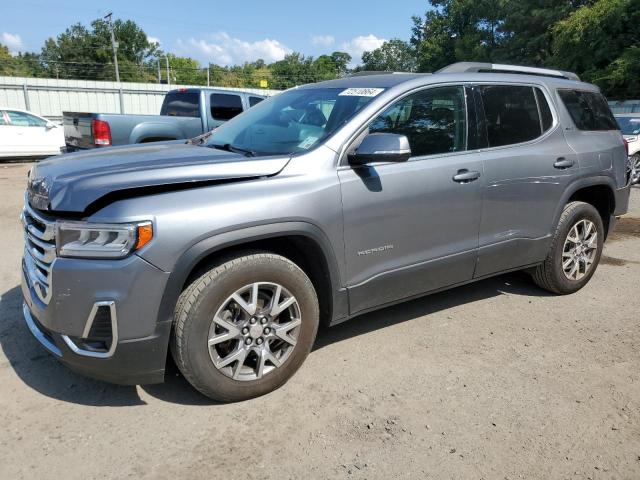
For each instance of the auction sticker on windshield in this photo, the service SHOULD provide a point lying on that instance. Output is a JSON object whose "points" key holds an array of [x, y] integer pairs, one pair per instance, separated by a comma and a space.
{"points": [[361, 92]]}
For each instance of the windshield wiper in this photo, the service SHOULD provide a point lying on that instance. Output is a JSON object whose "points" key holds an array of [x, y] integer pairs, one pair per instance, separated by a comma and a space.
{"points": [[200, 139], [231, 148]]}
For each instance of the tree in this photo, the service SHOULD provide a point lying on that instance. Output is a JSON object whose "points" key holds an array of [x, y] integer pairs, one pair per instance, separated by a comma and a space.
{"points": [[294, 69], [601, 43], [81, 52], [186, 71], [393, 56], [527, 29], [457, 30], [328, 67]]}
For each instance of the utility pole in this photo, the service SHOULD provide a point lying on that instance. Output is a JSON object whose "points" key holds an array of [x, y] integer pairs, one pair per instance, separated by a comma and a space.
{"points": [[208, 68], [168, 73], [114, 44], [159, 76]]}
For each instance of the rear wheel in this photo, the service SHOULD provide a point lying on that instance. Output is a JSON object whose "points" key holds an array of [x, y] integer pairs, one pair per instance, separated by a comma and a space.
{"points": [[244, 327], [634, 168], [575, 250]]}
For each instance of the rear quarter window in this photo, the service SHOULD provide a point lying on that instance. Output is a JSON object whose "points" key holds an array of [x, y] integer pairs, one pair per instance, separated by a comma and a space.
{"points": [[181, 104], [254, 101], [588, 110]]}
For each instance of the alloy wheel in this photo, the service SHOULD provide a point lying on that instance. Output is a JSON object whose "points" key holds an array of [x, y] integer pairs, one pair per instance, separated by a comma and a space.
{"points": [[254, 331], [580, 248]]}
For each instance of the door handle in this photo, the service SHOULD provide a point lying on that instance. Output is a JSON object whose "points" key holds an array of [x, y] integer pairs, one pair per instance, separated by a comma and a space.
{"points": [[562, 163], [466, 176]]}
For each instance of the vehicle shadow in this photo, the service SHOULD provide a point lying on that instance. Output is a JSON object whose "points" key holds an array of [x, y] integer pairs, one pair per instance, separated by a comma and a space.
{"points": [[42, 372], [518, 283]]}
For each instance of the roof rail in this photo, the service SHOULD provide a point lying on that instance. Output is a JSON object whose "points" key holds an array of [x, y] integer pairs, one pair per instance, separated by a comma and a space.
{"points": [[366, 73], [465, 67]]}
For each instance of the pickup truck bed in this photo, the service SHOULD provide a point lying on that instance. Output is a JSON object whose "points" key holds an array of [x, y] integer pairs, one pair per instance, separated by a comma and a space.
{"points": [[185, 113]]}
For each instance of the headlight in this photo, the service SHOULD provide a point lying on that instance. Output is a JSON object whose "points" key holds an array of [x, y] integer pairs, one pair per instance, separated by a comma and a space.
{"points": [[101, 240]]}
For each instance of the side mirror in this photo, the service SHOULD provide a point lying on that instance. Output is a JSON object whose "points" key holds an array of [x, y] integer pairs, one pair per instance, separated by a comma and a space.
{"points": [[49, 125], [381, 147]]}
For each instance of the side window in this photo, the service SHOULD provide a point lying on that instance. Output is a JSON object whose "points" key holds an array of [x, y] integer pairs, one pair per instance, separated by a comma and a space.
{"points": [[545, 111], [434, 120], [254, 101], [2, 120], [22, 119], [225, 106], [181, 104], [588, 110], [511, 112]]}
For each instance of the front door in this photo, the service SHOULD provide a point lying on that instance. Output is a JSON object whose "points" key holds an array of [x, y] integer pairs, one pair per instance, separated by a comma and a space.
{"points": [[412, 227]]}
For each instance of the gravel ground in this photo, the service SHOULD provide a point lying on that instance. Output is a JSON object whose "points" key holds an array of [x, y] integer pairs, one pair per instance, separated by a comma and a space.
{"points": [[494, 380]]}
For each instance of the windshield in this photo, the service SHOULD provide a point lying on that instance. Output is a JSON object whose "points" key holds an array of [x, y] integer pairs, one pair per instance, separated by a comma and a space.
{"points": [[629, 125], [291, 122]]}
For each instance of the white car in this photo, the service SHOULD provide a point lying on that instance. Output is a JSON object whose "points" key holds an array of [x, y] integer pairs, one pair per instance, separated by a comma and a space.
{"points": [[630, 125], [24, 134]]}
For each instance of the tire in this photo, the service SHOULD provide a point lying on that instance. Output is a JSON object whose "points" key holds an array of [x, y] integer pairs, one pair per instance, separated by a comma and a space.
{"points": [[226, 291], [634, 168], [550, 275]]}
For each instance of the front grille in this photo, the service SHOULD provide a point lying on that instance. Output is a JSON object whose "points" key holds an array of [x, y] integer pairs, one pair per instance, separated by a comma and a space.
{"points": [[39, 251]]}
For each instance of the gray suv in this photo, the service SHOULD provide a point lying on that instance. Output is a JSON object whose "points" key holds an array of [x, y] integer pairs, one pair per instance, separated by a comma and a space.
{"points": [[317, 205]]}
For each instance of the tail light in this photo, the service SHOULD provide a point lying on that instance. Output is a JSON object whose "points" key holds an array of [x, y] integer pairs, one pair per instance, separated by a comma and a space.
{"points": [[626, 145], [101, 132]]}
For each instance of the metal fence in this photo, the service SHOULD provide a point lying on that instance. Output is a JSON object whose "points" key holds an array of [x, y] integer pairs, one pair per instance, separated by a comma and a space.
{"points": [[626, 106], [50, 97]]}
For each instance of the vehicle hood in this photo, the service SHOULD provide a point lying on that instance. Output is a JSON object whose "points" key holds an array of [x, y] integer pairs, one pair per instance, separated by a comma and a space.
{"points": [[72, 182]]}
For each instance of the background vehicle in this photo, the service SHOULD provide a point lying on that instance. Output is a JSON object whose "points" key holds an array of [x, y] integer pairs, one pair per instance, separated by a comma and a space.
{"points": [[630, 125], [321, 203], [25, 134], [185, 113]]}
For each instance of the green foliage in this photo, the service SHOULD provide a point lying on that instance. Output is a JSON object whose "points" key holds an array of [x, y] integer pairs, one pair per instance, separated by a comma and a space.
{"points": [[393, 56], [81, 52], [602, 42], [457, 30], [597, 39], [185, 71]]}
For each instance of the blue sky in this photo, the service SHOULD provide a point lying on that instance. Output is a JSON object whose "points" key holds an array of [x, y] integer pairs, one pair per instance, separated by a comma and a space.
{"points": [[224, 32]]}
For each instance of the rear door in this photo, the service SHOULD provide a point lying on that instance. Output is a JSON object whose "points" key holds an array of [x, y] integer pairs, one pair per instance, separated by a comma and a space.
{"points": [[528, 166], [412, 227], [29, 134]]}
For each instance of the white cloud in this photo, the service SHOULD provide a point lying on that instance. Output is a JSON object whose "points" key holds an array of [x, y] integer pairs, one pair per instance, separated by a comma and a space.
{"points": [[12, 41], [363, 43], [151, 39], [222, 49], [323, 40]]}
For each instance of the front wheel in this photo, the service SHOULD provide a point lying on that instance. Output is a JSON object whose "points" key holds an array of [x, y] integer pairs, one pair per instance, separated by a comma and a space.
{"points": [[575, 250], [244, 327]]}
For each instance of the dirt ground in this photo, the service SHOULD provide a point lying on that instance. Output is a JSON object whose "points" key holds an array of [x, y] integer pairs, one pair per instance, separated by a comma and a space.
{"points": [[496, 380]]}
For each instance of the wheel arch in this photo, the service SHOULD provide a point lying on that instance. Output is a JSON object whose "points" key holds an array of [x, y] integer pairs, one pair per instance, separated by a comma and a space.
{"points": [[303, 243], [597, 191]]}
